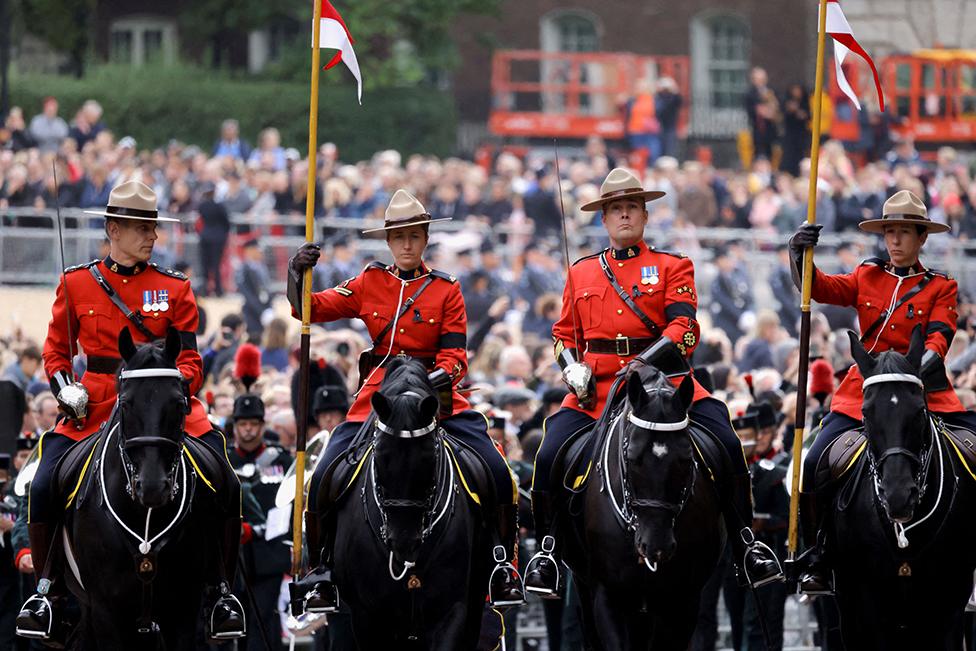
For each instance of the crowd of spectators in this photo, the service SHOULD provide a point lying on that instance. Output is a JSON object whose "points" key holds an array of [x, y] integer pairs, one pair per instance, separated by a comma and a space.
{"points": [[508, 259]]}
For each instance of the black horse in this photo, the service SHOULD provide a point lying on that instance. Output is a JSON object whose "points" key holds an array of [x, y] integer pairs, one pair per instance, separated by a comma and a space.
{"points": [[411, 549], [650, 531], [141, 540], [901, 531]]}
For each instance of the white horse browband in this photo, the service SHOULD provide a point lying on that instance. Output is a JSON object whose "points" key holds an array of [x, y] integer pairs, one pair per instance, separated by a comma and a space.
{"points": [[881, 378], [150, 372], [406, 433], [657, 427]]}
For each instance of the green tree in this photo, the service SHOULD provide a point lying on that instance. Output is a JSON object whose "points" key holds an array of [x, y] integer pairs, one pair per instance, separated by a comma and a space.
{"points": [[64, 24]]}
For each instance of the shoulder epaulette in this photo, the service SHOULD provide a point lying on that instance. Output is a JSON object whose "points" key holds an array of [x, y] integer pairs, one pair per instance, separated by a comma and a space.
{"points": [[878, 262], [671, 253], [941, 274], [172, 273], [375, 264], [83, 265], [437, 273], [592, 255]]}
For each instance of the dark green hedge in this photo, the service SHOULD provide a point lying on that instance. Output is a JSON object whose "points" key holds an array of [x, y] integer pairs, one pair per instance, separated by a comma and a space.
{"points": [[154, 105]]}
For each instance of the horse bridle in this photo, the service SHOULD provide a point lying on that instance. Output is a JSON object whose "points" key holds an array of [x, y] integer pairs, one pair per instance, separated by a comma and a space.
{"points": [[922, 462], [126, 443], [384, 503]]}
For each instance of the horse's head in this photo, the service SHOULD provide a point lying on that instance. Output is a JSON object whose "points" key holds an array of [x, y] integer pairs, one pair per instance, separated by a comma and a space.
{"points": [[658, 463], [406, 452], [895, 422], [153, 404]]}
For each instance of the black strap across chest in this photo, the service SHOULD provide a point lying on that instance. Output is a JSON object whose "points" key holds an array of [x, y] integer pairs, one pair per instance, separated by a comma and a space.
{"points": [[910, 294], [113, 296], [407, 304], [652, 327]]}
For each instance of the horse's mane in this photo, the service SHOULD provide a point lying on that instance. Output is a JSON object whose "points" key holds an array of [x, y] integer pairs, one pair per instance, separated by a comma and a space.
{"points": [[652, 378], [892, 361], [405, 374], [149, 355]]}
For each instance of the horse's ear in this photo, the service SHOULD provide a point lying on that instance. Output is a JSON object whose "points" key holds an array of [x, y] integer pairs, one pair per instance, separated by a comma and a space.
{"points": [[173, 344], [861, 357], [685, 394], [428, 409], [917, 347], [126, 346], [636, 394], [381, 406]]}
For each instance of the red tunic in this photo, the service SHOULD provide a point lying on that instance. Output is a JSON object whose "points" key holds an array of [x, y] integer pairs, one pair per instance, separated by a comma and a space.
{"points": [[668, 297], [435, 327], [96, 323], [874, 288]]}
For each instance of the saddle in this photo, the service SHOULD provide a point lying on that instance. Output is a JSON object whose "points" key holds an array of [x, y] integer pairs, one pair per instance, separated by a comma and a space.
{"points": [[963, 443], [73, 469], [840, 456]]}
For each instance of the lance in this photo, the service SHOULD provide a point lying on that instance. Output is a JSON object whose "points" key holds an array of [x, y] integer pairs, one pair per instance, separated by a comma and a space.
{"points": [[569, 276], [800, 415], [64, 279], [301, 418]]}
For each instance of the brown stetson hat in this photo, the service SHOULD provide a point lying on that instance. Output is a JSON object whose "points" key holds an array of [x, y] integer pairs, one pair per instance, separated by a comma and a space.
{"points": [[620, 184], [903, 208], [404, 210], [132, 200]]}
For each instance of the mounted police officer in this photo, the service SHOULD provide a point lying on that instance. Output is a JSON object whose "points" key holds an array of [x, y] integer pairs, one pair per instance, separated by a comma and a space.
{"points": [[92, 305], [261, 468], [892, 297], [627, 301], [413, 310]]}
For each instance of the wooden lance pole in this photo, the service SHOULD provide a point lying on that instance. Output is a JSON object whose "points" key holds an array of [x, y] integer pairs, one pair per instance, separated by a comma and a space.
{"points": [[301, 418], [801, 382]]}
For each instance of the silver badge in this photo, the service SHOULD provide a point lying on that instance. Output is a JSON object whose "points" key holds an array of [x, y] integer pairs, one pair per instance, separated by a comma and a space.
{"points": [[163, 306], [655, 280], [146, 307], [154, 307]]}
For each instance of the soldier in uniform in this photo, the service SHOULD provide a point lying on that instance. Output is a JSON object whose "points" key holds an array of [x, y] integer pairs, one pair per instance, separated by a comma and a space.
{"points": [[628, 301], [261, 467], [93, 303], [767, 464], [892, 297], [411, 310]]}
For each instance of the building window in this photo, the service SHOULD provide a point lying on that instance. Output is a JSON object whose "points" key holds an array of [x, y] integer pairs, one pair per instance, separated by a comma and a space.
{"points": [[569, 31], [720, 73], [576, 33], [137, 40]]}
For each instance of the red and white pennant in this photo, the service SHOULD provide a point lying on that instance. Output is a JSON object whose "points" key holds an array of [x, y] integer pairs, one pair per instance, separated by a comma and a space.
{"points": [[842, 34]]}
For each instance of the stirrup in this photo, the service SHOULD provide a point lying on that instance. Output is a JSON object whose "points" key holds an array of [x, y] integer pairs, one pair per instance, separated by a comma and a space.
{"points": [[321, 610], [502, 565], [32, 633], [236, 607], [545, 553], [752, 545]]}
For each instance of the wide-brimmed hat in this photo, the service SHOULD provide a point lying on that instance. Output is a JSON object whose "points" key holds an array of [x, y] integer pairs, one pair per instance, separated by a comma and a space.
{"points": [[404, 210], [620, 184], [903, 208], [132, 200]]}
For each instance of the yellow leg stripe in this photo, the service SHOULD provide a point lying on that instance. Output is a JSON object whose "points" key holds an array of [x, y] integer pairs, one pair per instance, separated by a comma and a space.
{"points": [[81, 477], [196, 467], [965, 464], [702, 457], [854, 459], [464, 482], [358, 468], [582, 478]]}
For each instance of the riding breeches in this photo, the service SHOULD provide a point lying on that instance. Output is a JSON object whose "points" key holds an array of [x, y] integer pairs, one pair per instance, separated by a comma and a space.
{"points": [[469, 427], [835, 424], [708, 412], [41, 498]]}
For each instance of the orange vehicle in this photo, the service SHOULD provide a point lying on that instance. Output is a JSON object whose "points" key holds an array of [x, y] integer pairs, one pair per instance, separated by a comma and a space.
{"points": [[539, 94], [931, 95]]}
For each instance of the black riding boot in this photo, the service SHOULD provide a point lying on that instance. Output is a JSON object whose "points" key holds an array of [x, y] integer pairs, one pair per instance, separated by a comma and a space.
{"points": [[816, 577], [227, 615], [543, 575], [505, 584], [755, 563], [38, 617], [323, 596]]}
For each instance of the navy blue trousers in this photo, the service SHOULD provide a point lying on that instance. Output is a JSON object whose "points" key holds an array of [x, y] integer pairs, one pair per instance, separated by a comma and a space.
{"points": [[40, 501], [708, 412], [469, 427], [835, 424]]}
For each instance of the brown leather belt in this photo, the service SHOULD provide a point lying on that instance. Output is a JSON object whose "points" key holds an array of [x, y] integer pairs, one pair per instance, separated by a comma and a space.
{"points": [[107, 365], [621, 346]]}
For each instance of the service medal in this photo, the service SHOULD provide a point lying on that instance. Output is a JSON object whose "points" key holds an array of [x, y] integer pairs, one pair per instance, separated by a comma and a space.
{"points": [[147, 301]]}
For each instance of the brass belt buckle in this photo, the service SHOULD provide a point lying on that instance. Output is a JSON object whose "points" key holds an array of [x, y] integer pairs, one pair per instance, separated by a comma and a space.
{"points": [[626, 349]]}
